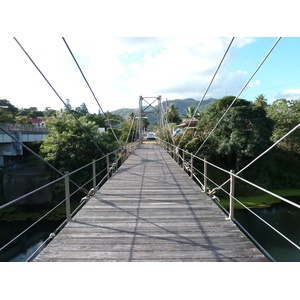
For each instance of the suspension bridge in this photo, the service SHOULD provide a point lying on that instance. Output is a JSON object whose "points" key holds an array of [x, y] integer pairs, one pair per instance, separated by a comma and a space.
{"points": [[150, 210], [153, 204]]}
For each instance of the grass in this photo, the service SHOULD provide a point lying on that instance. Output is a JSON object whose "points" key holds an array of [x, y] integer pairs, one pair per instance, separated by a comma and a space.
{"points": [[262, 201]]}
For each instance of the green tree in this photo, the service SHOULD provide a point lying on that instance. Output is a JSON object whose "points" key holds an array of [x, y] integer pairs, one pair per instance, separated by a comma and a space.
{"points": [[49, 112], [113, 119], [22, 120], [8, 112], [130, 117], [244, 132], [260, 101], [5, 104], [82, 110], [129, 129], [190, 113], [31, 113], [215, 111], [171, 114], [286, 115], [97, 118], [69, 147]]}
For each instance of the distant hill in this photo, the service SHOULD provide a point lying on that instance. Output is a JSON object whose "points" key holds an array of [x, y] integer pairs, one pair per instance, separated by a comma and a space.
{"points": [[182, 105], [124, 112]]}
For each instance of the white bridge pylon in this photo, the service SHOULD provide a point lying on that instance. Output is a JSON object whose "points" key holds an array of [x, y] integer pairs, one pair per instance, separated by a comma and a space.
{"points": [[150, 103]]}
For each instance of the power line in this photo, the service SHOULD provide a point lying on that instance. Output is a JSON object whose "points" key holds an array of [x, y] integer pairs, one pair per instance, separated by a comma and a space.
{"points": [[90, 89], [238, 94], [58, 95]]}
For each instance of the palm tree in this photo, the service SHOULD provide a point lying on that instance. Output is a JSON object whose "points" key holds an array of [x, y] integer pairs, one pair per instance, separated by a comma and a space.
{"points": [[131, 117], [172, 113], [191, 113], [260, 101]]}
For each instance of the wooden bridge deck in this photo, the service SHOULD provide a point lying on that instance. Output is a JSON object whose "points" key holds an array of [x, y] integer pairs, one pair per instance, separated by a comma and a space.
{"points": [[150, 210]]}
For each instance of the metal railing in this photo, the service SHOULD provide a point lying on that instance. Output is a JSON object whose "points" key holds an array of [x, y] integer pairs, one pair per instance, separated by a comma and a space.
{"points": [[111, 161], [23, 127], [187, 161]]}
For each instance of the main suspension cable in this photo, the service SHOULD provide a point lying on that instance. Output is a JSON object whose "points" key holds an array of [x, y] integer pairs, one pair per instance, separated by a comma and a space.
{"points": [[90, 89], [238, 94], [59, 96]]}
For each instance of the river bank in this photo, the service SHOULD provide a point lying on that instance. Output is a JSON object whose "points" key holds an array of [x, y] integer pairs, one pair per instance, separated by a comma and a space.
{"points": [[262, 201]]}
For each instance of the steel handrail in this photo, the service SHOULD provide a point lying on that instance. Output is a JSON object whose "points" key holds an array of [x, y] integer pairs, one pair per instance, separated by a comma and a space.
{"points": [[111, 168], [163, 143]]}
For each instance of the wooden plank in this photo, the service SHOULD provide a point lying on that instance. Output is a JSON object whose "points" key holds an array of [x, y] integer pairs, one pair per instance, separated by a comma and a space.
{"points": [[150, 210]]}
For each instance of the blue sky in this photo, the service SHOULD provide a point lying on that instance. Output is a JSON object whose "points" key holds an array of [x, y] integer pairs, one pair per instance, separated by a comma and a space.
{"points": [[119, 70], [279, 76]]}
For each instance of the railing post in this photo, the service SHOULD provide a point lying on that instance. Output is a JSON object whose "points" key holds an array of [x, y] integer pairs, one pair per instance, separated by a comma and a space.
{"points": [[231, 196], [183, 158], [205, 174], [107, 165], [67, 194], [94, 173], [192, 162]]}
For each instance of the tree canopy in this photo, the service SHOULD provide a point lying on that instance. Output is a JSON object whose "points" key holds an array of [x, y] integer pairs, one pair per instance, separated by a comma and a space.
{"points": [[172, 114], [191, 112], [260, 101], [68, 146], [245, 131], [286, 115]]}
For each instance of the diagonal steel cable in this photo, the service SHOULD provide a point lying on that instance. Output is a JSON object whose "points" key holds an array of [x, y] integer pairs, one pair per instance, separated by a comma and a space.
{"points": [[238, 94], [58, 95], [38, 156], [263, 153], [217, 70], [90, 89]]}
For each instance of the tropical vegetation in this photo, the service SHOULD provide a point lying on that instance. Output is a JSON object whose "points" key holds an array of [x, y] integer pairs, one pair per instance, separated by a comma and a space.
{"points": [[232, 138]]}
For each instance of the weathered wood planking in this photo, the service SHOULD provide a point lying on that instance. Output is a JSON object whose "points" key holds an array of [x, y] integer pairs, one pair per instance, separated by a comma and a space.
{"points": [[150, 210]]}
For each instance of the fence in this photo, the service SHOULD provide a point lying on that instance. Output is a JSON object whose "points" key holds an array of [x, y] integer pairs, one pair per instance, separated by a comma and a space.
{"points": [[23, 127], [111, 161], [187, 161]]}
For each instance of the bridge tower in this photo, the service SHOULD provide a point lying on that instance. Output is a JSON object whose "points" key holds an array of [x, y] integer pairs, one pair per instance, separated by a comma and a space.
{"points": [[150, 108]]}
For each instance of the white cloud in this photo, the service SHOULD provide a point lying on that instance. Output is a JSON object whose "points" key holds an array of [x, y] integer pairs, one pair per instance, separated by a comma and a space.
{"points": [[243, 41], [252, 84], [289, 94], [182, 69], [118, 70]]}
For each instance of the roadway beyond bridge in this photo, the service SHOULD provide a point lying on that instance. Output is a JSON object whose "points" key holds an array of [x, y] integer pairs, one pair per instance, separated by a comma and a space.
{"points": [[150, 210]]}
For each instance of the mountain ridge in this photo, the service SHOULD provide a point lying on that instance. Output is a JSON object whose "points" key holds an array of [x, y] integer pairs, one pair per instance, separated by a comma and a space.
{"points": [[181, 104]]}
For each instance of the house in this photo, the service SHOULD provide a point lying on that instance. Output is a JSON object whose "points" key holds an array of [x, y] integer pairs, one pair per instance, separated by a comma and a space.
{"points": [[188, 123], [191, 123], [38, 122]]}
